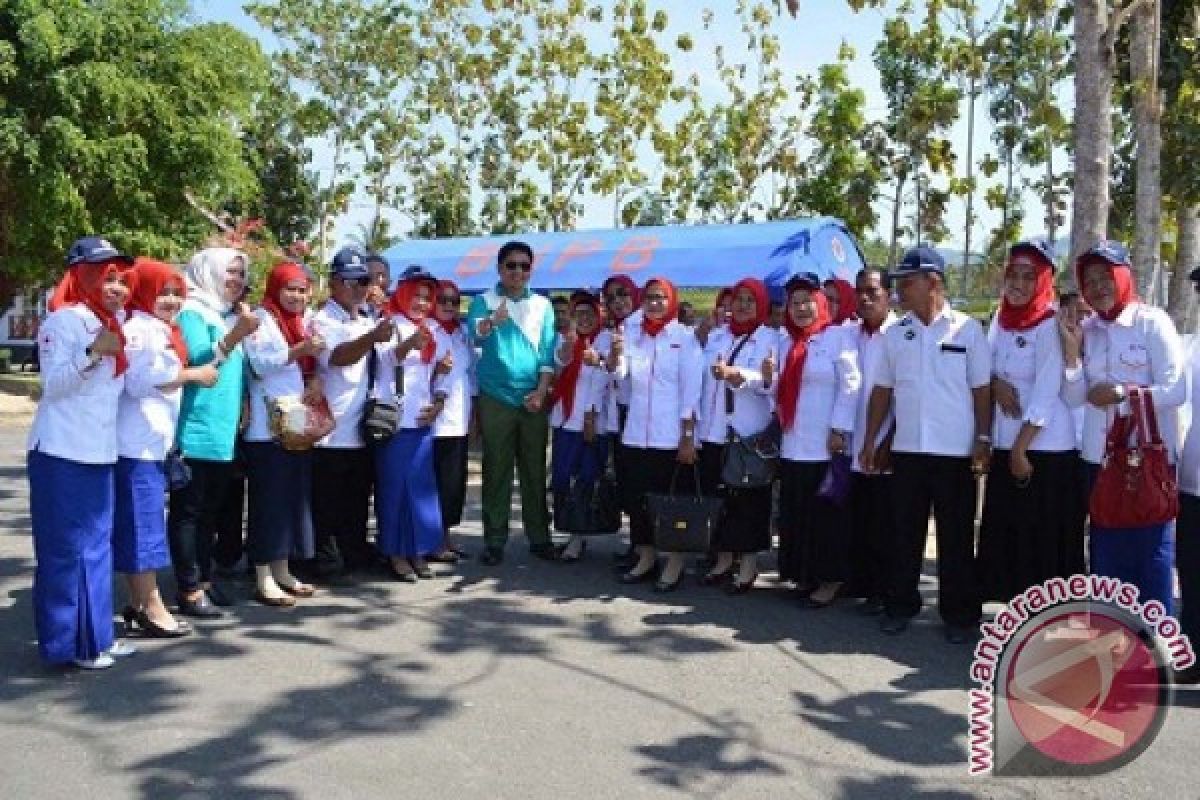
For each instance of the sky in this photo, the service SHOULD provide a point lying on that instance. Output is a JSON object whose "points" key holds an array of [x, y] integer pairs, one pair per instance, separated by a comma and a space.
{"points": [[809, 41]]}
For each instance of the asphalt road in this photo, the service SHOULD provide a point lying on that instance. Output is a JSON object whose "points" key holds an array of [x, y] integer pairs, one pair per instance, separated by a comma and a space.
{"points": [[531, 680]]}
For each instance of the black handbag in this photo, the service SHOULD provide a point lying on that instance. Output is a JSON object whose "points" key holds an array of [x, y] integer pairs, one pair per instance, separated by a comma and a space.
{"points": [[178, 473], [381, 418], [588, 509], [684, 523], [750, 462]]}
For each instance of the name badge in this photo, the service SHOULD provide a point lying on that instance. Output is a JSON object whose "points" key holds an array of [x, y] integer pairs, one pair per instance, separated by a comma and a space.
{"points": [[954, 348]]}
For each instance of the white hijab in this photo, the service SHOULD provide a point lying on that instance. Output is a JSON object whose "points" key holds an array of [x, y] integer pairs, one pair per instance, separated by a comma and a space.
{"points": [[206, 274]]}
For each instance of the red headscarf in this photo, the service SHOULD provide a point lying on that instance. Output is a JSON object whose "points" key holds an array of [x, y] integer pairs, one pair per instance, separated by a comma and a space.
{"points": [[84, 283], [401, 303], [847, 301], [635, 295], [448, 325], [654, 326], [564, 385], [1040, 306], [291, 324], [1122, 275], [762, 306], [152, 277], [793, 366]]}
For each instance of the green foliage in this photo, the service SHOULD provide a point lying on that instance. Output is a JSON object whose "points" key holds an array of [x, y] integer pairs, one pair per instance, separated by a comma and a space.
{"points": [[109, 112]]}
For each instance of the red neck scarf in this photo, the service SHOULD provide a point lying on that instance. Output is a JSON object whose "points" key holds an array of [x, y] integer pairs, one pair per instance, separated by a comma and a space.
{"points": [[568, 379], [652, 327], [762, 307], [152, 277], [448, 325], [847, 302], [401, 304], [1122, 275], [291, 324], [84, 284], [793, 366], [635, 298], [1040, 306]]}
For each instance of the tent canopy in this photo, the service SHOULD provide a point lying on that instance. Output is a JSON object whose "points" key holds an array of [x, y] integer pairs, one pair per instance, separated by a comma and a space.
{"points": [[688, 255]]}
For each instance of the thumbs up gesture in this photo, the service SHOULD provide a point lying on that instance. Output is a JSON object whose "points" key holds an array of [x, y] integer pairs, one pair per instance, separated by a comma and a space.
{"points": [[718, 368], [768, 368], [570, 335], [500, 315], [617, 349], [445, 364]]}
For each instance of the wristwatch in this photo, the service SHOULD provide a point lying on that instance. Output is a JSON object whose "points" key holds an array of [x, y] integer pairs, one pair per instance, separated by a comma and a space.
{"points": [[984, 438], [1119, 390]]}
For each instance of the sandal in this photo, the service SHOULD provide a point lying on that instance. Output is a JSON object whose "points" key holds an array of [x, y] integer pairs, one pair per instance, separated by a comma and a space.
{"points": [[299, 589]]}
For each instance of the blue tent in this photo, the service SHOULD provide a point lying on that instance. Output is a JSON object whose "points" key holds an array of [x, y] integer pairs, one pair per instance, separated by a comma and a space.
{"points": [[688, 255]]}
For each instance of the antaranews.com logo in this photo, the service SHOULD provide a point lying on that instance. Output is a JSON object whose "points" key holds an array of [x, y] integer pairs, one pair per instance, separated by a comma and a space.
{"points": [[1074, 678]]}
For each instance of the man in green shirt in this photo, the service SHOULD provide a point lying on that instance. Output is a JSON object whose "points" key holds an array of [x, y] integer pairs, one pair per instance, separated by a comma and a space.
{"points": [[515, 329]]}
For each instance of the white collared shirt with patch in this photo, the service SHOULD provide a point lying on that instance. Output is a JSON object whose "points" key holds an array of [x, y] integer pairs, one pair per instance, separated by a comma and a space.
{"points": [[269, 374], [1139, 347], [146, 415], [459, 384], [418, 381], [665, 374], [932, 370], [870, 348], [345, 387], [752, 405], [828, 395], [1031, 361]]}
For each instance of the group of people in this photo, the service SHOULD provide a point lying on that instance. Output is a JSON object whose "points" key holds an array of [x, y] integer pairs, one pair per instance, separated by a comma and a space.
{"points": [[159, 389]]}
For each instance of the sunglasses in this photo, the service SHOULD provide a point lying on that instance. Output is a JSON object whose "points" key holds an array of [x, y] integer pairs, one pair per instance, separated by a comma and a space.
{"points": [[661, 298], [524, 266], [363, 282], [448, 300], [616, 294]]}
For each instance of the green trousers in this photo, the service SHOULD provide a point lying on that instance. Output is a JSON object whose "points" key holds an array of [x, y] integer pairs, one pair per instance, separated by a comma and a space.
{"points": [[513, 436]]}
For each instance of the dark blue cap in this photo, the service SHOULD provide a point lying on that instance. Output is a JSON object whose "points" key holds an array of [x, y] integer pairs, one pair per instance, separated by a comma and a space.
{"points": [[350, 263], [802, 280], [1041, 247], [415, 272], [94, 250], [1107, 250], [920, 259]]}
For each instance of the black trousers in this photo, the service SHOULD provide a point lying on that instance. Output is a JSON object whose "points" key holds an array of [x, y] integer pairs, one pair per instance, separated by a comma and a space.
{"points": [[231, 516], [872, 534], [649, 472], [450, 463], [945, 484], [341, 493], [1187, 563], [192, 519]]}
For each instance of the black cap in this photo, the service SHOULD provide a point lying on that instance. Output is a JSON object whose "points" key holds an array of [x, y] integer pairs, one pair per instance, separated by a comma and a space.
{"points": [[802, 280], [416, 272]]}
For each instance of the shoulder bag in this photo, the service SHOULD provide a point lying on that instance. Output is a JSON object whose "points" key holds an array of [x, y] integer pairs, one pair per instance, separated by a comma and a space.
{"points": [[380, 418], [1136, 486], [750, 462]]}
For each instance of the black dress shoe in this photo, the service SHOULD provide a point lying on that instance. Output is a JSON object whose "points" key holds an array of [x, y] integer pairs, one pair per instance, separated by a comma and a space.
{"points": [[893, 626], [492, 556], [201, 608], [140, 621], [424, 572], [546, 552], [218, 597], [638, 577]]}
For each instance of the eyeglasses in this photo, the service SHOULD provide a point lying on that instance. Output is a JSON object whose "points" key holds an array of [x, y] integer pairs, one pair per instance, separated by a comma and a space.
{"points": [[524, 266], [616, 294], [661, 298], [448, 300], [364, 282]]}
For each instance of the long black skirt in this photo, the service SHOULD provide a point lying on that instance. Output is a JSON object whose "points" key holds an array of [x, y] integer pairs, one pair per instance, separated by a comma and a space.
{"points": [[814, 538], [649, 472], [280, 493], [746, 523], [450, 462], [1033, 533]]}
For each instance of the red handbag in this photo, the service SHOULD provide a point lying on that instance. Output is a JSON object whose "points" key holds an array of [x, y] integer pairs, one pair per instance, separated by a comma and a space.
{"points": [[1136, 486]]}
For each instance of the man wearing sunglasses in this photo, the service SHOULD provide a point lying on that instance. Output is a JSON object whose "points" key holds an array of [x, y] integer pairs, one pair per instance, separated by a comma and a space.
{"points": [[515, 330], [342, 467]]}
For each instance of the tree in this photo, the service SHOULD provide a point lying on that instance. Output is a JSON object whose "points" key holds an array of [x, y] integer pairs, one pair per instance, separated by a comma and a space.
{"points": [[1180, 82], [112, 112]]}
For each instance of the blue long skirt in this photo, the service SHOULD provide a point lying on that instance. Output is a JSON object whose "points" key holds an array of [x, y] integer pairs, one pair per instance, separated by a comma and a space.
{"points": [[139, 541], [71, 506], [573, 460], [408, 515], [1140, 556], [279, 522]]}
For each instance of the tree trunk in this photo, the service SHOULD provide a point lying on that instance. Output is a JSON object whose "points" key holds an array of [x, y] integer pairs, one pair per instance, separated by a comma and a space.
{"points": [[1147, 112], [893, 255], [972, 94], [1187, 258], [1093, 125]]}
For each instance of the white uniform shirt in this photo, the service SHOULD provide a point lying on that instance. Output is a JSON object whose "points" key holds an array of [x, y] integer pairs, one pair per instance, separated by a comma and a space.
{"points": [[1139, 347], [270, 374], [752, 405], [76, 418], [870, 349], [1032, 362], [459, 384], [932, 370], [1189, 459], [828, 395], [665, 373], [417, 379], [146, 416], [345, 387], [616, 387], [590, 395]]}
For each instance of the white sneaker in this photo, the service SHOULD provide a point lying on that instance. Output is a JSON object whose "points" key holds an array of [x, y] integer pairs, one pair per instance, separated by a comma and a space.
{"points": [[102, 661], [121, 649]]}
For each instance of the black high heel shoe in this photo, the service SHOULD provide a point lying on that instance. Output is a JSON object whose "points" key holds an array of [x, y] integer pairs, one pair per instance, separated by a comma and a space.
{"points": [[140, 621], [662, 587], [715, 578], [571, 559]]}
